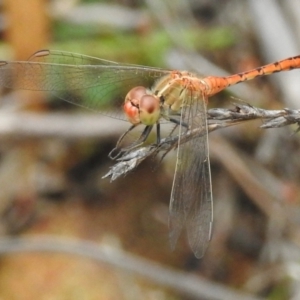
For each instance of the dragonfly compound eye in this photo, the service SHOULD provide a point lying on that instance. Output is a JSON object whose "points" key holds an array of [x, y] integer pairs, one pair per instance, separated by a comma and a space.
{"points": [[149, 109], [132, 104]]}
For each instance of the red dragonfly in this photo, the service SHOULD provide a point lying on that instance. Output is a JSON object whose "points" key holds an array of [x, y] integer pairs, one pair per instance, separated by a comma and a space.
{"points": [[148, 96]]}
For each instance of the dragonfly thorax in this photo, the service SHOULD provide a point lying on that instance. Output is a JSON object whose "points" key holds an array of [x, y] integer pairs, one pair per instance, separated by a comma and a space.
{"points": [[175, 90]]}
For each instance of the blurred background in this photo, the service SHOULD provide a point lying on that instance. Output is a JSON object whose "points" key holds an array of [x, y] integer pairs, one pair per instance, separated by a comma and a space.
{"points": [[69, 234]]}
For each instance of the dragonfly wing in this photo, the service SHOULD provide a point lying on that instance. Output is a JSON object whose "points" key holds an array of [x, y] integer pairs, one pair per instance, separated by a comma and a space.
{"points": [[191, 197], [65, 57], [79, 79]]}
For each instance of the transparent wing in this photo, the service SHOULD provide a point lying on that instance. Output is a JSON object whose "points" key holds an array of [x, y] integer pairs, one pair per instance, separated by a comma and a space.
{"points": [[83, 80], [191, 196]]}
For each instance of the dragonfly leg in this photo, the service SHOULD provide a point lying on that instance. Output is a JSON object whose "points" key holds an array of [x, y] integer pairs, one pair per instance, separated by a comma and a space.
{"points": [[158, 138], [138, 142], [144, 135], [177, 122], [111, 154]]}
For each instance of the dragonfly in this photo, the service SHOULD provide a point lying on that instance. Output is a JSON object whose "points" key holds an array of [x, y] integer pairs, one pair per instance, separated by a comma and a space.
{"points": [[149, 96]]}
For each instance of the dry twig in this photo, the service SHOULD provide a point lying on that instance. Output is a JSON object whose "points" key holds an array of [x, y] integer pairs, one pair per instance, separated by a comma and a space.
{"points": [[217, 118]]}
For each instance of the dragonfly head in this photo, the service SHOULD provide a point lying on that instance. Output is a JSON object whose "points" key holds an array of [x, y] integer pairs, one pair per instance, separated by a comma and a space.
{"points": [[141, 107]]}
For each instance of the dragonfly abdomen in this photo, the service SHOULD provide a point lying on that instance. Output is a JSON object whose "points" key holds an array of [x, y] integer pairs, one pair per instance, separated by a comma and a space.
{"points": [[217, 84]]}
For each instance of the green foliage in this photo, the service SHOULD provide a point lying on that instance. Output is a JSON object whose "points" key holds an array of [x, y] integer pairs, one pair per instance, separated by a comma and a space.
{"points": [[146, 48]]}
